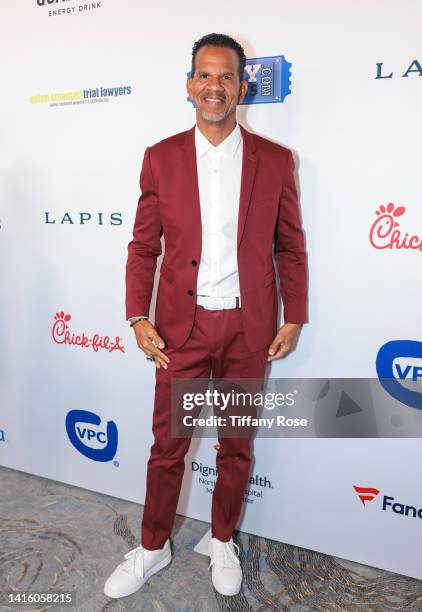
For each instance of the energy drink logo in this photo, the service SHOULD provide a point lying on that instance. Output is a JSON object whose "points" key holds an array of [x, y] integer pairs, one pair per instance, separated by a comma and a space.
{"points": [[58, 8]]}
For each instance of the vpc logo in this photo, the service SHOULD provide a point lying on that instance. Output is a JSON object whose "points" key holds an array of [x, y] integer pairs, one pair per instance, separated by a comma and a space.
{"points": [[399, 362], [87, 435]]}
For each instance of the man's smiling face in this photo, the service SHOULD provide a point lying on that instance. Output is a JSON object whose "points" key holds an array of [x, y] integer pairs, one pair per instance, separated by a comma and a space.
{"points": [[215, 86]]}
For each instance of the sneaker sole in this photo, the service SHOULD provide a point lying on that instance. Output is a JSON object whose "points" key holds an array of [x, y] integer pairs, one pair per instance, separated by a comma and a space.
{"points": [[228, 593], [148, 575]]}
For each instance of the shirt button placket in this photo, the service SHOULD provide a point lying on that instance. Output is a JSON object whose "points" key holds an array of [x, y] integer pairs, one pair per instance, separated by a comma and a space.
{"points": [[215, 204]]}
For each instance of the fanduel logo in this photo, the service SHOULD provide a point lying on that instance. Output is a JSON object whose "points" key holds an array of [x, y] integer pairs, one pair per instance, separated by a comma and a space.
{"points": [[88, 436], [366, 493], [399, 361], [388, 502]]}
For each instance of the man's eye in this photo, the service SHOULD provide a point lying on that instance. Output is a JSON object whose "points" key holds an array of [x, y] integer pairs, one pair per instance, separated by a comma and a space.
{"points": [[228, 77], [203, 76]]}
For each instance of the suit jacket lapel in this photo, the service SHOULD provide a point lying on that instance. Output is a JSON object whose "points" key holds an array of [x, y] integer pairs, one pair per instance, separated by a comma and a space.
{"points": [[249, 167], [190, 195]]}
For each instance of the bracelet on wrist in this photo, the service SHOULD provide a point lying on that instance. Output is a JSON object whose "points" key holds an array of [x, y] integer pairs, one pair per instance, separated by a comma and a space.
{"points": [[132, 323]]}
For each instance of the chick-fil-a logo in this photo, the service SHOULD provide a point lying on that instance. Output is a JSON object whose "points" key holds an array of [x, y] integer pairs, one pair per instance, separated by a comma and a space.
{"points": [[384, 232], [62, 335]]}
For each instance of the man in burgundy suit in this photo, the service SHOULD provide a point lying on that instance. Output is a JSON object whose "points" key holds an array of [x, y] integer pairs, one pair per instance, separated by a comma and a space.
{"points": [[222, 198]]}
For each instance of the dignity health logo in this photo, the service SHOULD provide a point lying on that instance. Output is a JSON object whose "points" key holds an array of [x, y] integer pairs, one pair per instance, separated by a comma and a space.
{"points": [[399, 362], [62, 335], [385, 232], [268, 79], [87, 435]]}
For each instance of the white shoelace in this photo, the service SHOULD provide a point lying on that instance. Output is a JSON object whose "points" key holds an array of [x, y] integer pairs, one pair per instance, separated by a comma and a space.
{"points": [[134, 563], [228, 554]]}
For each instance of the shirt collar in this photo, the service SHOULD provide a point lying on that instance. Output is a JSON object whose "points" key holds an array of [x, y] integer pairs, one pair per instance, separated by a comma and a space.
{"points": [[228, 147]]}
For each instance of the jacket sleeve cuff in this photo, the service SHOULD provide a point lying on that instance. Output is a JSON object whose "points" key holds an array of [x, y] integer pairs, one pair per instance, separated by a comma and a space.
{"points": [[296, 312]]}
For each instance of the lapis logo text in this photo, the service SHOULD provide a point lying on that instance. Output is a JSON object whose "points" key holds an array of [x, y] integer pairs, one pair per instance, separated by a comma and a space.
{"points": [[83, 218]]}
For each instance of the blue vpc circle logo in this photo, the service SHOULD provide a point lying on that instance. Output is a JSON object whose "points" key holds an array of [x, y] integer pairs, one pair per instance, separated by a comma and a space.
{"points": [[400, 362], [86, 435]]}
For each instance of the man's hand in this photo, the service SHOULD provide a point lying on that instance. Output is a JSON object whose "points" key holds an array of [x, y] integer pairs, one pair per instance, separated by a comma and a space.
{"points": [[284, 341], [150, 343]]}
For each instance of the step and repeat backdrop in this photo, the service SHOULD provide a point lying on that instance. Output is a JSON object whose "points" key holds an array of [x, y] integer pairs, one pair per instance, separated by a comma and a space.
{"points": [[85, 88]]}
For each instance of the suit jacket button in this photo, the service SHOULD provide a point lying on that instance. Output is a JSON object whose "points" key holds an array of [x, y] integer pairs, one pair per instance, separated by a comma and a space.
{"points": [[194, 262], [190, 292]]}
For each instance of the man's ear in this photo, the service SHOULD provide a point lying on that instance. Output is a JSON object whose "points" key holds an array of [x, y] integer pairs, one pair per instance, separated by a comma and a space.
{"points": [[189, 85], [242, 91]]}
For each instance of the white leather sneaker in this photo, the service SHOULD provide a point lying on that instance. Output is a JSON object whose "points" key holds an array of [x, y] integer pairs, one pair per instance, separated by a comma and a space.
{"points": [[140, 565], [226, 570]]}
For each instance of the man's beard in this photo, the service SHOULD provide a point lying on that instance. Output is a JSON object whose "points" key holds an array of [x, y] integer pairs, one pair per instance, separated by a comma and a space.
{"points": [[218, 117], [213, 117]]}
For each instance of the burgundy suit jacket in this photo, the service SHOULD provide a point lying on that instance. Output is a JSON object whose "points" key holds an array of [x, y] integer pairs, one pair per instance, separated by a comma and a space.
{"points": [[268, 216]]}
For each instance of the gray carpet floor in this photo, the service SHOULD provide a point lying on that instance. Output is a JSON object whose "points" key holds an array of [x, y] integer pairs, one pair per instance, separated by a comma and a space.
{"points": [[56, 536]]}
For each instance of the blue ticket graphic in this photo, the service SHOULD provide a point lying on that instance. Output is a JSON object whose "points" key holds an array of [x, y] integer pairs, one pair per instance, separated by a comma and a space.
{"points": [[269, 79]]}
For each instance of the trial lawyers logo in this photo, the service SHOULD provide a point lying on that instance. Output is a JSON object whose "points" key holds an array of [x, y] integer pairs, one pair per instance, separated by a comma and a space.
{"points": [[389, 503], [268, 79], [62, 335], [398, 362], [385, 232], [73, 97], [87, 435]]}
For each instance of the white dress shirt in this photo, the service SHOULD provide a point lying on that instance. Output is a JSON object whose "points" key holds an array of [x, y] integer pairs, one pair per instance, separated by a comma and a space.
{"points": [[219, 173]]}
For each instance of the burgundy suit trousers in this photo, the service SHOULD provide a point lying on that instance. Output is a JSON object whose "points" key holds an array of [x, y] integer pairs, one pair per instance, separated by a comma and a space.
{"points": [[216, 346]]}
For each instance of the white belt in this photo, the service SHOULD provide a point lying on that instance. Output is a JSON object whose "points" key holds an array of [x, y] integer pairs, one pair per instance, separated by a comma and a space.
{"points": [[210, 302]]}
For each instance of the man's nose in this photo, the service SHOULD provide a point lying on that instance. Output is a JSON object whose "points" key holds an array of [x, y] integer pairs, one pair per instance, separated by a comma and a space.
{"points": [[215, 83]]}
